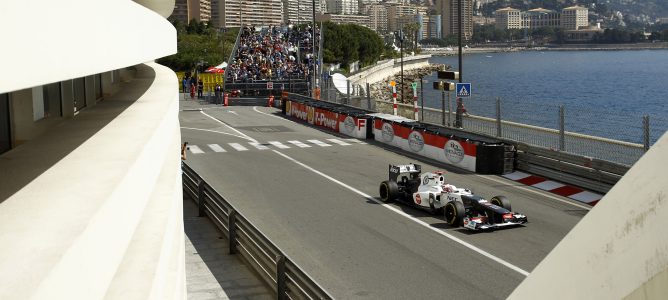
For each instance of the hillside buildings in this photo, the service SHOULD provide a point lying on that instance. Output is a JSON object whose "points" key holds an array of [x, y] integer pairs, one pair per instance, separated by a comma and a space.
{"points": [[570, 18], [448, 11]]}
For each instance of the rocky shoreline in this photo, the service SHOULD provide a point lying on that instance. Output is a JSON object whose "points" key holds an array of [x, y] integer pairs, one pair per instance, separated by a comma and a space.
{"points": [[383, 91]]}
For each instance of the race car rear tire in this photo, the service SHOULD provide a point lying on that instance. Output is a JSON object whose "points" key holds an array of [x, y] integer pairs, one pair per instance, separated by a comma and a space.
{"points": [[454, 213], [501, 201], [389, 190]]}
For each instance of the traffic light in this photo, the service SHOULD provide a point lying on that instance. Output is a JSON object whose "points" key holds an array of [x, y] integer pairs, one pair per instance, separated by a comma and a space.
{"points": [[444, 86], [448, 75]]}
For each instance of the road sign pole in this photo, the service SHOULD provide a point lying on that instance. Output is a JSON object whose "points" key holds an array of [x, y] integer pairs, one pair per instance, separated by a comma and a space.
{"points": [[422, 99], [443, 107], [449, 111], [394, 100], [415, 99]]}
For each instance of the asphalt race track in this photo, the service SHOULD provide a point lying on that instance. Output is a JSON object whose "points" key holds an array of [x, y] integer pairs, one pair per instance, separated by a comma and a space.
{"points": [[311, 200]]}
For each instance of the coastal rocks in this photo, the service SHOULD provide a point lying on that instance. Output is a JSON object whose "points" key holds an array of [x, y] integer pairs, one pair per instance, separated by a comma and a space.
{"points": [[383, 91]]}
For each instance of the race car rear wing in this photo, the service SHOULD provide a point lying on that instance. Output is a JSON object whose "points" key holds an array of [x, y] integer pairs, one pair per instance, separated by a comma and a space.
{"points": [[412, 169]]}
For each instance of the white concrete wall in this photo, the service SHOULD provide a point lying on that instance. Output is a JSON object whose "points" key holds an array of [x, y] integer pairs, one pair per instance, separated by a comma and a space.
{"points": [[47, 41], [619, 249], [92, 208], [387, 68]]}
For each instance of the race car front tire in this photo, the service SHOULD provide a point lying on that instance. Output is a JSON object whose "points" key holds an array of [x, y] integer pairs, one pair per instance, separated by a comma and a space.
{"points": [[501, 201], [454, 213], [389, 190]]}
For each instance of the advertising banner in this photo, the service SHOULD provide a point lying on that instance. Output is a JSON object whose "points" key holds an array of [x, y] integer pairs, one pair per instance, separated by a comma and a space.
{"points": [[352, 126], [450, 151], [338, 122]]}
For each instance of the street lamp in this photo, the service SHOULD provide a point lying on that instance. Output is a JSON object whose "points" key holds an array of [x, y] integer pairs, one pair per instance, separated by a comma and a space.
{"points": [[400, 35], [313, 48], [460, 106]]}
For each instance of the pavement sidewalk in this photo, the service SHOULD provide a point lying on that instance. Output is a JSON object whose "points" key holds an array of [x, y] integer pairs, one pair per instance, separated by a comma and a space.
{"points": [[212, 273]]}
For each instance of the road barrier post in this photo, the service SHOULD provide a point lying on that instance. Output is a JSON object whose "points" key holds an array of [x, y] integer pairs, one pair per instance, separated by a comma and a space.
{"points": [[498, 117], [281, 286], [232, 227], [226, 99], [562, 131], [645, 129], [200, 198]]}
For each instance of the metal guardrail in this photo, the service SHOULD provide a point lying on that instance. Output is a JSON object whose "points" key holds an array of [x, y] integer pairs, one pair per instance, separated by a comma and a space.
{"points": [[275, 268], [614, 151]]}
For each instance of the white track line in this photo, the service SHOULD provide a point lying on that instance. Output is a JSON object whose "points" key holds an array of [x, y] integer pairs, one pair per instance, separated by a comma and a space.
{"points": [[279, 145], [420, 222], [259, 146], [238, 147], [335, 141], [319, 143], [299, 144], [230, 127], [277, 117], [216, 148], [209, 130], [195, 150], [543, 194]]}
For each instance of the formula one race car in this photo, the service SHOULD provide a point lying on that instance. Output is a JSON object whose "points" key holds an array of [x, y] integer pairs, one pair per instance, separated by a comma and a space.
{"points": [[460, 206]]}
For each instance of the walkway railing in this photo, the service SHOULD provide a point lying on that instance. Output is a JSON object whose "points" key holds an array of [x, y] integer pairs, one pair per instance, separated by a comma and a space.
{"points": [[277, 269]]}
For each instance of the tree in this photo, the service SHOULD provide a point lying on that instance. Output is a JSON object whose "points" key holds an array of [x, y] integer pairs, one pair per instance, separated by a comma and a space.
{"points": [[199, 42], [348, 43], [411, 32]]}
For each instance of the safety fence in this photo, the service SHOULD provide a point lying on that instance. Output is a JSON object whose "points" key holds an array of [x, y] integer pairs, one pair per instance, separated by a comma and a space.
{"points": [[273, 266], [539, 150], [266, 87]]}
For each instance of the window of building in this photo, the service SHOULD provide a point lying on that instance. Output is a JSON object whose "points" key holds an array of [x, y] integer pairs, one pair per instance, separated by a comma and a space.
{"points": [[52, 100], [5, 129], [98, 86], [79, 92]]}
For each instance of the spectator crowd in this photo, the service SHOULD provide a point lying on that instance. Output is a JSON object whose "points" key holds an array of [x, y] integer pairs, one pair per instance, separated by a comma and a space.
{"points": [[272, 53]]}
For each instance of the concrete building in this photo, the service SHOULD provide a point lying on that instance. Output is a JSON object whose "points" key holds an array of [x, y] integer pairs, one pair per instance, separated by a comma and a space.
{"points": [[91, 192], [248, 12], [377, 17], [344, 19], [300, 11], [396, 11], [187, 10], [343, 7], [432, 26], [574, 17], [508, 18], [449, 17], [540, 17]]}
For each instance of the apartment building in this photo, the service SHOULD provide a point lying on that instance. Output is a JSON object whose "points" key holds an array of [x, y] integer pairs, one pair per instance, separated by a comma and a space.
{"points": [[433, 26], [540, 17], [187, 10], [249, 12], [396, 11], [300, 11], [508, 18], [449, 17], [570, 18], [343, 7], [91, 192], [344, 19], [574, 18], [377, 17]]}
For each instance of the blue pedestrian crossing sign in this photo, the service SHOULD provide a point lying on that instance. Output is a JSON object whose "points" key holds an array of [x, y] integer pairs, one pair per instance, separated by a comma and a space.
{"points": [[463, 89]]}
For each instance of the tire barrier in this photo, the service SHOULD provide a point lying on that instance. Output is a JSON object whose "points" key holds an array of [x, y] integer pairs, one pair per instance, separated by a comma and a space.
{"points": [[451, 146]]}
